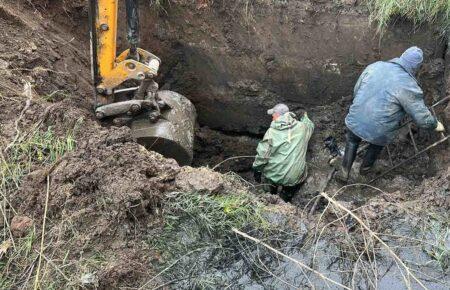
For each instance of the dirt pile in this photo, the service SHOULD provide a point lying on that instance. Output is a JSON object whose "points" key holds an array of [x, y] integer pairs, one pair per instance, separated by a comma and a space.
{"points": [[104, 198], [103, 195], [110, 201]]}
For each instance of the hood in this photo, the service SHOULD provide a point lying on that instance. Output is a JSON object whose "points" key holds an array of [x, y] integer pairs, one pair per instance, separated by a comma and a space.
{"points": [[284, 122], [412, 71]]}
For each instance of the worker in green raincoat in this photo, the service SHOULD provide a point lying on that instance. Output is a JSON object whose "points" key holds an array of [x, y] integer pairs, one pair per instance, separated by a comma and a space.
{"points": [[281, 155]]}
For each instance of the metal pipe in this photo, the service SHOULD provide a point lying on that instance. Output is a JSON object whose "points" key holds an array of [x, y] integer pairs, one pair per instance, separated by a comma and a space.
{"points": [[132, 7], [126, 90]]}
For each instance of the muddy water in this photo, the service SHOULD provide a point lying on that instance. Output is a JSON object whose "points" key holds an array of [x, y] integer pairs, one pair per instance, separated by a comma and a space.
{"points": [[250, 266]]}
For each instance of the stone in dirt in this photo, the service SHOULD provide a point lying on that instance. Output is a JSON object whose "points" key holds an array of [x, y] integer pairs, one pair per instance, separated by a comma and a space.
{"points": [[20, 225], [201, 180]]}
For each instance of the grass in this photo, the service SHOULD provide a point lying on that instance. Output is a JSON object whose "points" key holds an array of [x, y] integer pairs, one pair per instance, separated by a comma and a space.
{"points": [[56, 95], [440, 250], [381, 11], [31, 149], [198, 227], [417, 11], [215, 213], [39, 148], [210, 217], [159, 5]]}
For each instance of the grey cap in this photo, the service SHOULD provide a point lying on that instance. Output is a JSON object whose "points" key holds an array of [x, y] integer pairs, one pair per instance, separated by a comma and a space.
{"points": [[279, 108]]}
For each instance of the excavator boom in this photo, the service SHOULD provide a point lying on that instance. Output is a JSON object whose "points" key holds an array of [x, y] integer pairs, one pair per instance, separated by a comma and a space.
{"points": [[161, 121]]}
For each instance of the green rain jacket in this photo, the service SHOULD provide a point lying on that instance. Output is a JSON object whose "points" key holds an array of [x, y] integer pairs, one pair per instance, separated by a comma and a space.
{"points": [[281, 155]]}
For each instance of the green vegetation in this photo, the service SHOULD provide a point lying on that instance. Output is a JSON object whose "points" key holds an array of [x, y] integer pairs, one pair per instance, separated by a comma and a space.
{"points": [[197, 236], [29, 149], [418, 11], [440, 251], [215, 213], [159, 5], [56, 95], [381, 11], [22, 257], [207, 217], [38, 148]]}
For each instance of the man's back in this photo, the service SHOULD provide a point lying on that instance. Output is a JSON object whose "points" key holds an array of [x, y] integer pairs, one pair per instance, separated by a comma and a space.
{"points": [[383, 94], [282, 152]]}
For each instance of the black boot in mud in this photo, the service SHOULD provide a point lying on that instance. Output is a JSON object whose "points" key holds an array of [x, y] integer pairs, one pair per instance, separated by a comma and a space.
{"points": [[342, 175], [369, 159], [288, 192], [351, 148], [365, 170]]}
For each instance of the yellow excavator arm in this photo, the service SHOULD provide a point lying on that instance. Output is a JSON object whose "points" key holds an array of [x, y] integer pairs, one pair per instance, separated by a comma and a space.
{"points": [[110, 71], [162, 121]]}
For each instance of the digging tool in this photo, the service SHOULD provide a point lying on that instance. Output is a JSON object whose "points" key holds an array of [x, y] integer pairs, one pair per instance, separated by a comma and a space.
{"points": [[445, 138], [322, 189], [162, 121]]}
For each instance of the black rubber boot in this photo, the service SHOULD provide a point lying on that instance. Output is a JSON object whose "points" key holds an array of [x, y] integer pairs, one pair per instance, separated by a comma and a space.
{"points": [[351, 148], [273, 189], [369, 158], [288, 192]]}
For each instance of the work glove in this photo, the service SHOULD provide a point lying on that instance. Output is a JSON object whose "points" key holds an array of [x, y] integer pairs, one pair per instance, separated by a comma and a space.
{"points": [[439, 127], [257, 175]]}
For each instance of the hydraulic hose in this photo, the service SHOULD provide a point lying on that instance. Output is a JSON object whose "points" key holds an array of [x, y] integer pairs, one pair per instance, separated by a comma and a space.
{"points": [[132, 7]]}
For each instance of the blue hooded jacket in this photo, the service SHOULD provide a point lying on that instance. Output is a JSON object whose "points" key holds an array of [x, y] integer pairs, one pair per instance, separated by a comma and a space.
{"points": [[384, 93]]}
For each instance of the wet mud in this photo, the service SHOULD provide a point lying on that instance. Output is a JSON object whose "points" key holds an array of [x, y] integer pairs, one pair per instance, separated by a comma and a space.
{"points": [[108, 197]]}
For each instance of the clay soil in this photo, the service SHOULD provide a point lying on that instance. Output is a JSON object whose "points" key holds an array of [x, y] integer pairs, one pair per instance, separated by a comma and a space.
{"points": [[104, 197]]}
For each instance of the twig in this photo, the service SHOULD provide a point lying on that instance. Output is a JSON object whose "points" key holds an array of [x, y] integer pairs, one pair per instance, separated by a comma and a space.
{"points": [[170, 282], [8, 226], [170, 266], [29, 94], [231, 158], [36, 281], [372, 234], [289, 258], [24, 285], [431, 107], [266, 269], [54, 266], [410, 158], [412, 138]]}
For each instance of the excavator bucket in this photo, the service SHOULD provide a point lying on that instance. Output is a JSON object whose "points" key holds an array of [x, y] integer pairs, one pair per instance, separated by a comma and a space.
{"points": [[172, 134]]}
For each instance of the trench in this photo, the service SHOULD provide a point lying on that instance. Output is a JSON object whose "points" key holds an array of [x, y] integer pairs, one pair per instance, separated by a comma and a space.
{"points": [[218, 146], [233, 72], [250, 270]]}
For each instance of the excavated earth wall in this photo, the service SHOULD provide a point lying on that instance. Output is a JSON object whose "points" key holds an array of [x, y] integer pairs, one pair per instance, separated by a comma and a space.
{"points": [[234, 61], [108, 197]]}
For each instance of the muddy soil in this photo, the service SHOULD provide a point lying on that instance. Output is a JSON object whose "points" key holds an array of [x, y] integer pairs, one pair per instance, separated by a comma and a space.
{"points": [[106, 198], [235, 60]]}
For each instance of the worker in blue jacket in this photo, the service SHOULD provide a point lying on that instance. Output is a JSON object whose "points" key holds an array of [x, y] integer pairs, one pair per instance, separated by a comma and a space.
{"points": [[384, 93]]}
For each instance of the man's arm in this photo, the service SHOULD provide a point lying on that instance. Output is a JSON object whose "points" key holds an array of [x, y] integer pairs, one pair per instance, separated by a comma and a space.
{"points": [[414, 105], [307, 122], [263, 152]]}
